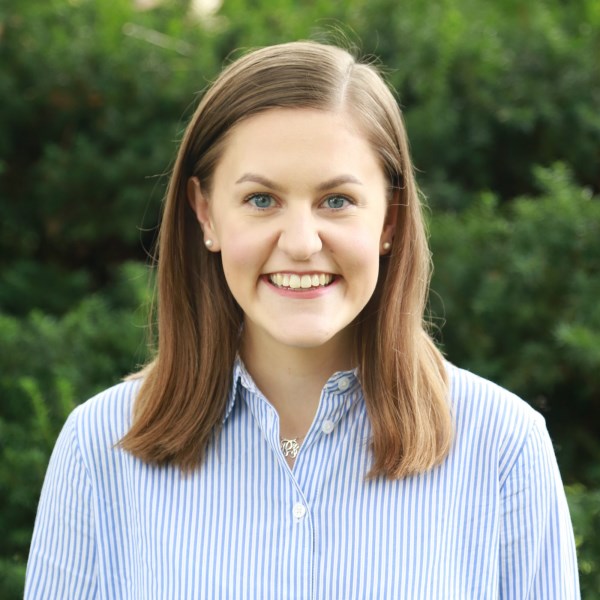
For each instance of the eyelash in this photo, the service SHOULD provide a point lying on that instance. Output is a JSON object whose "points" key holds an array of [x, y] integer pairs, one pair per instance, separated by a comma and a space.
{"points": [[251, 197]]}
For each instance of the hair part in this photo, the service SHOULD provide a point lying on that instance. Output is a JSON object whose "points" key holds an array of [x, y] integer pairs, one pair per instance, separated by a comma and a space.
{"points": [[182, 399]]}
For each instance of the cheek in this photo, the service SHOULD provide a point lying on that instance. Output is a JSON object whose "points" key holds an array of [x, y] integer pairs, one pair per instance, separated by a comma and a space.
{"points": [[362, 257], [242, 254]]}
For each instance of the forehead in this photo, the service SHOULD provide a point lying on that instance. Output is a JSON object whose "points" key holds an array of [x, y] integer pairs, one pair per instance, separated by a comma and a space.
{"points": [[299, 140]]}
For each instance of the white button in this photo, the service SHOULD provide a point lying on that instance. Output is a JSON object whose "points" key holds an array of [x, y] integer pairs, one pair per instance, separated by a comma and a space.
{"points": [[299, 510], [343, 384], [327, 426]]}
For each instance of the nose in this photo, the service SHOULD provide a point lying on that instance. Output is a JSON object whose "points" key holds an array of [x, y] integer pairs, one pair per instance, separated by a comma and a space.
{"points": [[299, 237]]}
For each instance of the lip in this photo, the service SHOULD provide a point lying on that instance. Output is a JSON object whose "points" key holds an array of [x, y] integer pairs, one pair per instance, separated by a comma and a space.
{"points": [[300, 294]]}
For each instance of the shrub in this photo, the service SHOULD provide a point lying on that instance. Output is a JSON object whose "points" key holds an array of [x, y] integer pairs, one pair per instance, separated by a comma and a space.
{"points": [[518, 287], [95, 95], [49, 365], [89, 121], [491, 89], [584, 505]]}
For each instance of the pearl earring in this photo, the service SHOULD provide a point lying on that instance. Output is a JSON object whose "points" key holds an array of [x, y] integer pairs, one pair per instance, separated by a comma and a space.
{"points": [[208, 243], [386, 246]]}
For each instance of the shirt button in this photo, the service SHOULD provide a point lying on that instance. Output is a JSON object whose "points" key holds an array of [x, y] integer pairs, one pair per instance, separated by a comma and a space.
{"points": [[343, 384], [299, 510], [327, 426]]}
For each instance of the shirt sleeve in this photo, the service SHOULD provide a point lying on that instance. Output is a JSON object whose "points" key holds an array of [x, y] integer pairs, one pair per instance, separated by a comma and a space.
{"points": [[537, 548], [62, 557]]}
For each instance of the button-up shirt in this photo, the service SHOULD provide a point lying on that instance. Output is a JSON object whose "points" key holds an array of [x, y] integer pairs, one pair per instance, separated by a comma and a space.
{"points": [[490, 522]]}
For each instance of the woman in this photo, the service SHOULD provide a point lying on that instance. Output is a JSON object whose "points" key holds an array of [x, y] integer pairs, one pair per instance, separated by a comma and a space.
{"points": [[298, 435]]}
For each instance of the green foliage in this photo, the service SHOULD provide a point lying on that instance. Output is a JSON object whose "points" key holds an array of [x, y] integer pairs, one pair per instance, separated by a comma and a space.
{"points": [[49, 365], [95, 95], [492, 89], [515, 299], [519, 288], [89, 123], [584, 506]]}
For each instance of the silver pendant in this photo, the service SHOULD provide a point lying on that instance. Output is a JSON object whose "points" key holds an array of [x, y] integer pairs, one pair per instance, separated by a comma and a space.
{"points": [[290, 447]]}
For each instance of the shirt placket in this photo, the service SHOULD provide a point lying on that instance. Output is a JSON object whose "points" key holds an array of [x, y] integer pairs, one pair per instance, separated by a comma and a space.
{"points": [[318, 453], [302, 485]]}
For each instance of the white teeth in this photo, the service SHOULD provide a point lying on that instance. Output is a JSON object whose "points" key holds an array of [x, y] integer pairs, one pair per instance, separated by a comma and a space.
{"points": [[296, 282]]}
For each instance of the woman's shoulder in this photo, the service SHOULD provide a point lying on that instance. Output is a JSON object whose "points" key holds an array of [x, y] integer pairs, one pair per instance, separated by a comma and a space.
{"points": [[471, 393], [106, 417], [490, 418]]}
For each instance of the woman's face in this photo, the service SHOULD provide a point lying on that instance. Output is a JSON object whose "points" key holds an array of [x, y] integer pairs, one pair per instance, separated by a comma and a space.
{"points": [[297, 210]]}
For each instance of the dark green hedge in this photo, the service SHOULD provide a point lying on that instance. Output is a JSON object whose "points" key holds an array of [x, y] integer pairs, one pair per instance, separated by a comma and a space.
{"points": [[95, 95], [501, 101], [518, 285]]}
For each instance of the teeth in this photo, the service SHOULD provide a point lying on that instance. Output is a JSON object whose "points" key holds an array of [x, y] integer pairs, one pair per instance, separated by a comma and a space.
{"points": [[296, 282], [305, 281]]}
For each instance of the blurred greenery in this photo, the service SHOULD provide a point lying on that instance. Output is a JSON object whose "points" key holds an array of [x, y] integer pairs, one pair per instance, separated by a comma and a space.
{"points": [[584, 505], [519, 286], [501, 103]]}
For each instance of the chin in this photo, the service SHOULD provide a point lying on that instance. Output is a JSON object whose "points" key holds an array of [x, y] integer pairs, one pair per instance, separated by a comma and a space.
{"points": [[305, 342], [306, 339]]}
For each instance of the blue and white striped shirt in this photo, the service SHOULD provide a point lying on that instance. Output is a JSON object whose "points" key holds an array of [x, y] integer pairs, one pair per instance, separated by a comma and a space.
{"points": [[490, 522]]}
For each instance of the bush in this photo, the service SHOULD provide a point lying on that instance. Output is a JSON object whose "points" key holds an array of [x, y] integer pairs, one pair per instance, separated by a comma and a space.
{"points": [[49, 365], [519, 288], [89, 123], [492, 89], [584, 505], [95, 95]]}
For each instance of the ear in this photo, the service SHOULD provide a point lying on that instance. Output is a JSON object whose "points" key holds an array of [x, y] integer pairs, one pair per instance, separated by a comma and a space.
{"points": [[389, 226], [199, 203]]}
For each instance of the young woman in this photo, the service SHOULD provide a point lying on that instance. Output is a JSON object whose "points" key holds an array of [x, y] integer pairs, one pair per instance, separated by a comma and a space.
{"points": [[298, 435]]}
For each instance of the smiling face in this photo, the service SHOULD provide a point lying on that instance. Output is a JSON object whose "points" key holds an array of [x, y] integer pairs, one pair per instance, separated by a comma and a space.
{"points": [[297, 209]]}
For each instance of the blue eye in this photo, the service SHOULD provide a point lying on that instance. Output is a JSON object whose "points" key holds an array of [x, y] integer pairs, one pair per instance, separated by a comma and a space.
{"points": [[336, 202], [261, 201]]}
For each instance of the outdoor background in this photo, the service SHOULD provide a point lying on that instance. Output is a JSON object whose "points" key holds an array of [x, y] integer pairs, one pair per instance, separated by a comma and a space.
{"points": [[502, 104]]}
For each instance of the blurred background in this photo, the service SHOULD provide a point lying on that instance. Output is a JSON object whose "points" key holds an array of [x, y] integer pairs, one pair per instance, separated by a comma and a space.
{"points": [[502, 104]]}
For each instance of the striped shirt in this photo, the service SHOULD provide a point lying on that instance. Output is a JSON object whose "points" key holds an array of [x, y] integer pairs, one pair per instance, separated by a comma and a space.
{"points": [[490, 522]]}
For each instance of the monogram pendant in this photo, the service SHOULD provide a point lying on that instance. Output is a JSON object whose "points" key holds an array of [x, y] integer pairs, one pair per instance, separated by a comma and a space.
{"points": [[290, 447]]}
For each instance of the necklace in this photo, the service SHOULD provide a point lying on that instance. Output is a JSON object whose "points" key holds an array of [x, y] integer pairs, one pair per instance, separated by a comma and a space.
{"points": [[290, 447]]}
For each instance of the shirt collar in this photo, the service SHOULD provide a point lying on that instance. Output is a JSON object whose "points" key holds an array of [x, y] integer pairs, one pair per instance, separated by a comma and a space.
{"points": [[240, 376], [238, 370]]}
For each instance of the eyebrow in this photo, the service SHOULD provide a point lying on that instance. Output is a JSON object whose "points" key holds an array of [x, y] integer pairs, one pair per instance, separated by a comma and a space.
{"points": [[326, 185]]}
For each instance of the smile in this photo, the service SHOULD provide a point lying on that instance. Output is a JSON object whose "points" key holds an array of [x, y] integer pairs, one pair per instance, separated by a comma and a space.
{"points": [[294, 281]]}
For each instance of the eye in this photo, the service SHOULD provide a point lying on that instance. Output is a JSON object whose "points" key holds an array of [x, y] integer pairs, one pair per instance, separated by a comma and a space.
{"points": [[336, 202], [261, 201]]}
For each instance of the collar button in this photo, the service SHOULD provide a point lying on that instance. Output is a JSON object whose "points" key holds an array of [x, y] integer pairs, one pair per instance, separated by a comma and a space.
{"points": [[343, 384], [327, 426]]}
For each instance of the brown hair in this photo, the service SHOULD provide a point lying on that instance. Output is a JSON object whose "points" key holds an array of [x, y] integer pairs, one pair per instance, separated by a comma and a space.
{"points": [[183, 396]]}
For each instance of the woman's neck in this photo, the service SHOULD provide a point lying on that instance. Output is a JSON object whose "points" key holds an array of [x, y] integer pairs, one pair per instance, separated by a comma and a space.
{"points": [[292, 378]]}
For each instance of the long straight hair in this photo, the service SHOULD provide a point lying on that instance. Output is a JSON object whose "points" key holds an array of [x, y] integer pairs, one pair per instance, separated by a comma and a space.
{"points": [[182, 399]]}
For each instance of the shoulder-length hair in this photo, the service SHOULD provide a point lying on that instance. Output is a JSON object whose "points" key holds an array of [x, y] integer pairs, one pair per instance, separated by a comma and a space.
{"points": [[182, 399]]}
